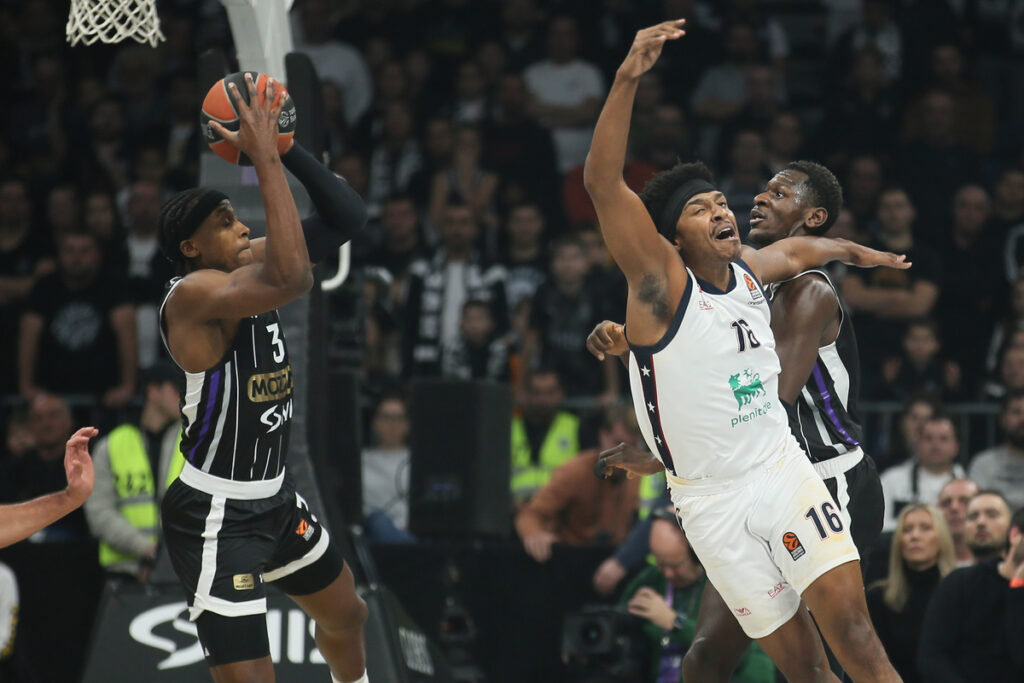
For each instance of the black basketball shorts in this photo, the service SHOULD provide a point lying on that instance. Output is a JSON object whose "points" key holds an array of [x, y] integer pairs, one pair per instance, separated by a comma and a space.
{"points": [[858, 492], [224, 550]]}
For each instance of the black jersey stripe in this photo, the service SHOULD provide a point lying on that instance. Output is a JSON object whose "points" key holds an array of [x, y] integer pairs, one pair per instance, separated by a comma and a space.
{"points": [[648, 380]]}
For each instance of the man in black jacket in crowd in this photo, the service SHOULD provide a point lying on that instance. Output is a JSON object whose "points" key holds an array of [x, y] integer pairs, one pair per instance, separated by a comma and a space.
{"points": [[974, 626]]}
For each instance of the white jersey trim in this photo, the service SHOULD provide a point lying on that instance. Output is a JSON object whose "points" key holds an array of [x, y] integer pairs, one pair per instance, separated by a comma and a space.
{"points": [[202, 600], [315, 553], [229, 488], [841, 464]]}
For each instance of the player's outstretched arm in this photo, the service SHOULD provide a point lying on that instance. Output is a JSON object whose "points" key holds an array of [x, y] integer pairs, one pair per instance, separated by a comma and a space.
{"points": [[628, 230], [20, 520], [805, 319], [339, 211], [790, 257]]}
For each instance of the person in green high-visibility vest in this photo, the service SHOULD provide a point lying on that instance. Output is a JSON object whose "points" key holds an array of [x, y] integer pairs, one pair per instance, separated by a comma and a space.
{"points": [[134, 465], [543, 437]]}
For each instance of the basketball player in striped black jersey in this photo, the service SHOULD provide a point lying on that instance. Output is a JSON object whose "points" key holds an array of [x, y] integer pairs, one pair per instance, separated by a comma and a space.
{"points": [[818, 385], [704, 377], [233, 521]]}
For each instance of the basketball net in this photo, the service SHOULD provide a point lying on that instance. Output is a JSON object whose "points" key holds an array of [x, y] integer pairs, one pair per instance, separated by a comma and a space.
{"points": [[112, 21]]}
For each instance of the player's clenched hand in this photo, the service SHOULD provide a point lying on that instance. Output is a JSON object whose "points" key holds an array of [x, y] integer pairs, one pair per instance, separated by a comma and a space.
{"points": [[647, 46], [607, 339], [651, 606], [78, 465], [538, 545], [257, 131], [866, 257], [636, 462]]}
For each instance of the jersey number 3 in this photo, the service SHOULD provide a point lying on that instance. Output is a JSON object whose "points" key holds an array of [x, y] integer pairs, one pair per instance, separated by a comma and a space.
{"points": [[275, 339], [743, 330]]}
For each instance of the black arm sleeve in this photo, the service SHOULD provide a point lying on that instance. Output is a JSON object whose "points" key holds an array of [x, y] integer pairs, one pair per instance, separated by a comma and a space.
{"points": [[339, 213], [940, 632]]}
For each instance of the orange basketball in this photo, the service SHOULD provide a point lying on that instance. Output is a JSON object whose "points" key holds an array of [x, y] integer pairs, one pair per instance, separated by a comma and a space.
{"points": [[220, 106]]}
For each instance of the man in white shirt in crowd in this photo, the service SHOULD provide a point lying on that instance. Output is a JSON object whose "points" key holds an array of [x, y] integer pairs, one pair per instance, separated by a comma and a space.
{"points": [[920, 480], [567, 93], [1002, 467], [953, 501]]}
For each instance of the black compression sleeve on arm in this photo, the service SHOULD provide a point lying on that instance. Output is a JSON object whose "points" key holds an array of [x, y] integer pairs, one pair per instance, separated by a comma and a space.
{"points": [[340, 212]]}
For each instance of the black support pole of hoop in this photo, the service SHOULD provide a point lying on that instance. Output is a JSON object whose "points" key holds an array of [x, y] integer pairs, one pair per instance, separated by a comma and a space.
{"points": [[213, 66]]}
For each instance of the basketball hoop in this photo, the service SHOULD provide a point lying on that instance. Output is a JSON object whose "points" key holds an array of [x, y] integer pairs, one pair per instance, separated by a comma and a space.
{"points": [[112, 21]]}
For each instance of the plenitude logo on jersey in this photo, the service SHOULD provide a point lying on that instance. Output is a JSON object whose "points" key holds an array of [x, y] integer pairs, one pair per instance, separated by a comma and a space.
{"points": [[271, 386], [746, 386]]}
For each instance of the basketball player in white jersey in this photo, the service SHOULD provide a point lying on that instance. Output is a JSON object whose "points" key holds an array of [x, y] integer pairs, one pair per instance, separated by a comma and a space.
{"points": [[818, 384], [233, 521], [704, 377]]}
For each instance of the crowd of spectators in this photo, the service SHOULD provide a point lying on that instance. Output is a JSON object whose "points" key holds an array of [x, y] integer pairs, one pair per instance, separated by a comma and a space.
{"points": [[464, 124]]}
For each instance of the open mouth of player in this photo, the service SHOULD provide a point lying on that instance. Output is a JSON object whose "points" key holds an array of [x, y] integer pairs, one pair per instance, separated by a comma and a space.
{"points": [[755, 217], [725, 233]]}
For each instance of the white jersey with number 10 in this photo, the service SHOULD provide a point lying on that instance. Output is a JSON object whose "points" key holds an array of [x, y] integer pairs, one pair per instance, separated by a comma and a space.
{"points": [[706, 395]]}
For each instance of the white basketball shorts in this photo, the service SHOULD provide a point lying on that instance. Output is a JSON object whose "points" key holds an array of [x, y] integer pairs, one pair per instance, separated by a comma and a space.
{"points": [[765, 540]]}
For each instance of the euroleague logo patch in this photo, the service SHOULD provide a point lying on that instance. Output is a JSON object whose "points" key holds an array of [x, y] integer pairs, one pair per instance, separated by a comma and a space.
{"points": [[792, 543], [755, 293], [304, 530]]}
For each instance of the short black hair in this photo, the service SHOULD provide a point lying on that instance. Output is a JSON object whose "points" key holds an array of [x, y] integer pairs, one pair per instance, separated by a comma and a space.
{"points": [[660, 187], [993, 492], [943, 416], [820, 189]]}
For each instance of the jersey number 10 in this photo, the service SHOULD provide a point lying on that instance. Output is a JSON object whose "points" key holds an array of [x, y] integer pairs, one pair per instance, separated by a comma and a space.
{"points": [[743, 330]]}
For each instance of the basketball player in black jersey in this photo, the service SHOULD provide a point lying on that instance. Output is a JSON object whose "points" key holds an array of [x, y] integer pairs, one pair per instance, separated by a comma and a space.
{"points": [[233, 521], [819, 385]]}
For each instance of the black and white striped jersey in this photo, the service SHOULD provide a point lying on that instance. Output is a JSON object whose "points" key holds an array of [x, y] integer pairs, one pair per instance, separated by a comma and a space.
{"points": [[236, 415], [824, 419]]}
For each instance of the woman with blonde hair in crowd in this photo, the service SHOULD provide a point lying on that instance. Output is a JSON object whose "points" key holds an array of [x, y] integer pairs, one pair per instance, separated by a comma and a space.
{"points": [[920, 556]]}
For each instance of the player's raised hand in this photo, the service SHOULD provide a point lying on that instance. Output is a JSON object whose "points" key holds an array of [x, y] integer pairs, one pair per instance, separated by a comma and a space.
{"points": [[636, 462], [607, 339], [866, 257], [647, 46], [257, 131], [78, 465]]}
